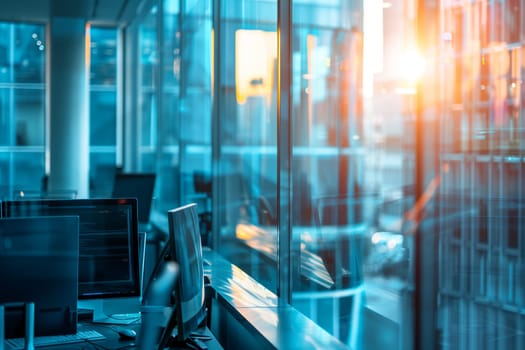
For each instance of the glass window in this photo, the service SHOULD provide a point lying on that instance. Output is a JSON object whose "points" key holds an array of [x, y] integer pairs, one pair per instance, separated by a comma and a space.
{"points": [[102, 109], [23, 116], [407, 156], [28, 63], [22, 107], [148, 91], [512, 20], [482, 180], [247, 176]]}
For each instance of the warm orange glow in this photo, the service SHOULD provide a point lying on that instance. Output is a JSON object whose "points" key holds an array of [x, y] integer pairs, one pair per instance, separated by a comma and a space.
{"points": [[414, 214], [88, 46], [242, 232], [255, 57], [411, 65]]}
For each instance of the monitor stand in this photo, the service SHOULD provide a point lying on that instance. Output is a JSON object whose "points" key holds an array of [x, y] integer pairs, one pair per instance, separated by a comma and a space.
{"points": [[113, 311]]}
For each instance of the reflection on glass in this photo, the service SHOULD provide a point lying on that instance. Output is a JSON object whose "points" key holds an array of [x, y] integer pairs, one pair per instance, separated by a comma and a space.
{"points": [[14, 130], [22, 108], [29, 62], [246, 182], [29, 117], [103, 109], [103, 104], [27, 168], [148, 65], [103, 56]]}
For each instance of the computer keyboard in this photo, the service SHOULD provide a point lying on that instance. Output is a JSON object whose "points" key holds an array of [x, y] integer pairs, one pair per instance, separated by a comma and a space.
{"points": [[18, 343]]}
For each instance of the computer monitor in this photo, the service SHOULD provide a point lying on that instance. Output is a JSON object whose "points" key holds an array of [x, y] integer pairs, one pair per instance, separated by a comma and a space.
{"points": [[136, 185], [39, 264], [109, 265], [183, 247]]}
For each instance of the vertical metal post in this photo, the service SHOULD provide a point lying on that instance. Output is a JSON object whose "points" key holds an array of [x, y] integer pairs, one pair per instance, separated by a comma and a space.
{"points": [[216, 124], [425, 257], [120, 95], [183, 89], [132, 84], [159, 85], [29, 343], [284, 149], [2, 326]]}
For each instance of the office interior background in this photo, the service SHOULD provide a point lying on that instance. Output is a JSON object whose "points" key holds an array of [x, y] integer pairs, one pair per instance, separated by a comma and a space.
{"points": [[361, 159]]}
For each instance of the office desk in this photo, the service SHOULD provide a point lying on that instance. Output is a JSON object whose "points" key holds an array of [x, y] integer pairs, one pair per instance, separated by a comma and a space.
{"points": [[246, 315], [113, 341]]}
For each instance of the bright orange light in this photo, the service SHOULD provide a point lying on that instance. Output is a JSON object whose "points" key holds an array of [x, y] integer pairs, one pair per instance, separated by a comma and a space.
{"points": [[411, 65], [255, 57], [87, 46]]}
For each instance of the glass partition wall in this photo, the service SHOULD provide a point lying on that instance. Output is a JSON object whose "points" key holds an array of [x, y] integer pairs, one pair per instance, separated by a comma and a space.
{"points": [[214, 73], [22, 106], [23, 109], [103, 80]]}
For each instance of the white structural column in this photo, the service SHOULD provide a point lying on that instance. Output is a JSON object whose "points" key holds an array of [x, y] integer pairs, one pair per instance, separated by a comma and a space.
{"points": [[68, 103]]}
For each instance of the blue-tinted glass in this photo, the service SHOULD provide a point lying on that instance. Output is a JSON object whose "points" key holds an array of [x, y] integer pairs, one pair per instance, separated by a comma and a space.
{"points": [[387, 149], [28, 171], [7, 125], [103, 109], [148, 89], [23, 117], [247, 176], [30, 47], [29, 111], [103, 56], [22, 107], [148, 49], [5, 50]]}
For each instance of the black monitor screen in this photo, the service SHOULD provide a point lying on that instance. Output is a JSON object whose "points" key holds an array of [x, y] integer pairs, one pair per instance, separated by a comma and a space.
{"points": [[39, 264], [108, 241], [186, 250]]}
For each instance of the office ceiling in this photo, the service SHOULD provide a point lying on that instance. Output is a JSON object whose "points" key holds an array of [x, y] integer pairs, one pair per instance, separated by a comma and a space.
{"points": [[98, 12]]}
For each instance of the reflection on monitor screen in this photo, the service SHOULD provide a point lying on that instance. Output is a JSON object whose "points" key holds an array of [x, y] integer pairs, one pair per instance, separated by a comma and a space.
{"points": [[108, 242], [184, 247]]}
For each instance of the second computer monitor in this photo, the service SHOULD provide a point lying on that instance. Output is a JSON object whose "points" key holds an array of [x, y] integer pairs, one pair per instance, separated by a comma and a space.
{"points": [[185, 248], [136, 185]]}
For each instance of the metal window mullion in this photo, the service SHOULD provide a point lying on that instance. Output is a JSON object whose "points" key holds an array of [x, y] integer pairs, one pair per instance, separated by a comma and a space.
{"points": [[284, 150], [158, 141], [183, 89], [133, 90], [120, 86], [216, 123], [425, 259]]}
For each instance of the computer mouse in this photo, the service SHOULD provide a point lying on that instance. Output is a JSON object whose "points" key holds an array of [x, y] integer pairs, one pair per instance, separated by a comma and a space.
{"points": [[126, 333]]}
